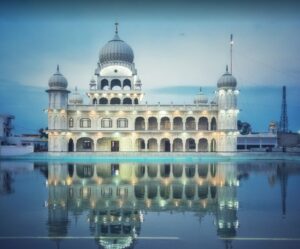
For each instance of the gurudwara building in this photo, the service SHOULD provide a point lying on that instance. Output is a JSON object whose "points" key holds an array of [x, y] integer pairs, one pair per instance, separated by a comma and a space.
{"points": [[116, 119]]}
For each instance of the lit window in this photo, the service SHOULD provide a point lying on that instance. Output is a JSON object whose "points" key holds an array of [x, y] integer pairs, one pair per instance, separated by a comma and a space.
{"points": [[122, 123], [106, 123], [71, 123], [85, 123]]}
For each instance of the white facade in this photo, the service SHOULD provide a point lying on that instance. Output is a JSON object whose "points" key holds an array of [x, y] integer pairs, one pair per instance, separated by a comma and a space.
{"points": [[115, 120]]}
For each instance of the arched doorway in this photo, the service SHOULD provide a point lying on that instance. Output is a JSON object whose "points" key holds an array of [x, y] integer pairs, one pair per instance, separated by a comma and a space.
{"points": [[140, 144], [85, 144], [213, 145], [203, 145], [177, 145], [190, 145], [165, 145], [152, 144], [70, 145]]}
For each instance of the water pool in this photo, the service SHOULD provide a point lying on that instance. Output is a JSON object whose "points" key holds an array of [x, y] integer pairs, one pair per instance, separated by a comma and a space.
{"points": [[175, 204]]}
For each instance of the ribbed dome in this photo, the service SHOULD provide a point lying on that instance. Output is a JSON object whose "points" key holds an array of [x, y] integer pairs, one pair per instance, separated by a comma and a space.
{"points": [[116, 50], [76, 98], [57, 80], [227, 80], [201, 98]]}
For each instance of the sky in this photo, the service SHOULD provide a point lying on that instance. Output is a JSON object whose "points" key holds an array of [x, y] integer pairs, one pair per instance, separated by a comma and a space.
{"points": [[179, 46]]}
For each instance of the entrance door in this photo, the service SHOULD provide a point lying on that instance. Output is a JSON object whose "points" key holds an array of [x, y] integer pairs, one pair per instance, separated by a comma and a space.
{"points": [[71, 145], [167, 146], [114, 146]]}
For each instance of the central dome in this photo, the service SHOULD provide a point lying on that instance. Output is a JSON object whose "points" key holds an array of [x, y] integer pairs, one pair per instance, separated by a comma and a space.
{"points": [[116, 50]]}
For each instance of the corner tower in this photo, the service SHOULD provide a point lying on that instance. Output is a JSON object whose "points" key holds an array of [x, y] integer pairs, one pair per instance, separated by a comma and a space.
{"points": [[227, 111], [117, 81], [57, 110]]}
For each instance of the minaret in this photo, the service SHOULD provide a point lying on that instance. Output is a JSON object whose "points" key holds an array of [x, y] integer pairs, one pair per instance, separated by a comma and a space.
{"points": [[228, 111], [283, 125], [57, 117], [58, 93]]}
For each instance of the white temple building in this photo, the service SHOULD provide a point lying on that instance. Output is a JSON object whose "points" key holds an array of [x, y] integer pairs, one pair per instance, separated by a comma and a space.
{"points": [[114, 119]]}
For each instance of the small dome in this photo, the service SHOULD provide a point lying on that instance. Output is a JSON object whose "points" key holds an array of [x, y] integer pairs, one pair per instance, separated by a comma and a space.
{"points": [[57, 80], [93, 82], [116, 50], [227, 80], [201, 98], [76, 98]]}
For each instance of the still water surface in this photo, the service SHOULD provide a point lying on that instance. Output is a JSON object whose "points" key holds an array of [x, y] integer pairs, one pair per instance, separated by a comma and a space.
{"points": [[252, 204]]}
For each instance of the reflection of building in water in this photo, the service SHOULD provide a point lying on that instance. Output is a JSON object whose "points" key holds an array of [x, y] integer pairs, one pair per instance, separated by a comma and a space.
{"points": [[117, 196]]}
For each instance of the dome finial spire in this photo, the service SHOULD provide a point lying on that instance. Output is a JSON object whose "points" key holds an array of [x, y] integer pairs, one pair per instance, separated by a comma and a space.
{"points": [[226, 68], [116, 30], [57, 68]]}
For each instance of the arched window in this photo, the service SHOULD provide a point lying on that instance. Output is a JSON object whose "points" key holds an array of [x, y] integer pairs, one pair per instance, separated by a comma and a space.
{"points": [[103, 101], [106, 123], [115, 101], [127, 101], [104, 83], [139, 123], [190, 123], [203, 124], [71, 122], [115, 84], [165, 123], [127, 82], [213, 124], [177, 123], [152, 123], [136, 101], [122, 123], [213, 145], [94, 101], [85, 123]]}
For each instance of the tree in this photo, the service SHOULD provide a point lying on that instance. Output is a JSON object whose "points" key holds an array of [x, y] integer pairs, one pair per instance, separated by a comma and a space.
{"points": [[244, 127], [42, 132]]}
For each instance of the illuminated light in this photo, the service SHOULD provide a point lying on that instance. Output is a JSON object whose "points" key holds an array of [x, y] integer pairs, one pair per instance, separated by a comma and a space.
{"points": [[133, 181], [106, 112], [204, 112], [190, 112], [78, 112], [93, 205], [204, 203], [163, 112], [99, 181], [148, 203], [149, 112], [166, 181], [200, 181], [62, 111], [104, 94], [116, 134], [128, 95], [134, 112], [162, 203], [55, 182], [96, 95], [166, 134], [176, 203], [92, 112], [120, 94], [69, 181]]}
